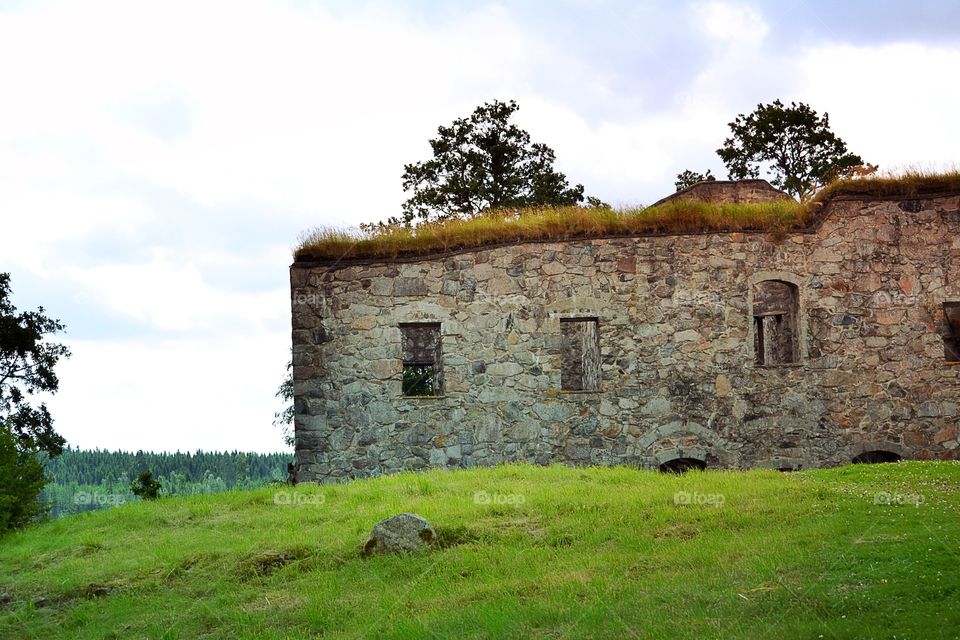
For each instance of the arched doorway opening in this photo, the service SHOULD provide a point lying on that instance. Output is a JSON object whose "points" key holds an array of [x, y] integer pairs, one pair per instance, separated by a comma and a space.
{"points": [[682, 465], [876, 457]]}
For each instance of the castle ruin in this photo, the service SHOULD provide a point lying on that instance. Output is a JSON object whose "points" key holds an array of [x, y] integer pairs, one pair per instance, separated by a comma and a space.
{"points": [[836, 343]]}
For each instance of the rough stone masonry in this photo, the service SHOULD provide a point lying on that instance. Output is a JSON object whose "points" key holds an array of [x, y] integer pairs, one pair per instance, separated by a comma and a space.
{"points": [[730, 350]]}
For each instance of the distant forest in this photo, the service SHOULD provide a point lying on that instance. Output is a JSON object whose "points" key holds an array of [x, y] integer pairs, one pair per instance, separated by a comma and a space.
{"points": [[90, 480]]}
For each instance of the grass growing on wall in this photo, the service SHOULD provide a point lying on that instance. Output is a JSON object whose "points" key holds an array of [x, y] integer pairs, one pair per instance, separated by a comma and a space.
{"points": [[566, 223], [545, 552], [563, 223], [899, 183]]}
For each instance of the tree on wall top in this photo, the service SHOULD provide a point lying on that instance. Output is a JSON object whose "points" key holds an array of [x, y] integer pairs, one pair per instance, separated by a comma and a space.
{"points": [[689, 178], [484, 162], [794, 144]]}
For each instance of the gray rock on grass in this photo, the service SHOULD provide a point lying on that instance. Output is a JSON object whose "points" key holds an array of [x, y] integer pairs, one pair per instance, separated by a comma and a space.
{"points": [[403, 533]]}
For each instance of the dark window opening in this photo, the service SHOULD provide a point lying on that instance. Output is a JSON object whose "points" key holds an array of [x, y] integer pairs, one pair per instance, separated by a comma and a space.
{"points": [[419, 380], [422, 371], [775, 323], [682, 465], [876, 457], [580, 355], [951, 333]]}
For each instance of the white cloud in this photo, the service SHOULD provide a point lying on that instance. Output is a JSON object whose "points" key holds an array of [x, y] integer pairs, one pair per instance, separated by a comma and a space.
{"points": [[185, 394], [173, 296], [296, 108], [889, 103], [736, 23], [624, 158], [890, 123], [41, 221]]}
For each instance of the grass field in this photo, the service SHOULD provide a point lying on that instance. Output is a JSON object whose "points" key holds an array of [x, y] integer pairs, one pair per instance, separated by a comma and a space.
{"points": [[866, 551]]}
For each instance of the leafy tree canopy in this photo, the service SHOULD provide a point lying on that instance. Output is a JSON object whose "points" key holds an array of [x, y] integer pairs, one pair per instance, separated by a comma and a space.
{"points": [[793, 144], [689, 178], [284, 418], [21, 481], [484, 162], [145, 486], [27, 362]]}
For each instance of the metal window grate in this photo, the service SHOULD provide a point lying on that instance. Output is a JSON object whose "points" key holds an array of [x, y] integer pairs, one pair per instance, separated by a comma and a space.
{"points": [[422, 355]]}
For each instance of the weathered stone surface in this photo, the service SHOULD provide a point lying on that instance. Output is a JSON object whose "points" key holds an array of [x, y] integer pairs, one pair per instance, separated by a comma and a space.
{"points": [[410, 287], [504, 369], [656, 407], [722, 385], [553, 268], [676, 359], [403, 533], [728, 192], [686, 336]]}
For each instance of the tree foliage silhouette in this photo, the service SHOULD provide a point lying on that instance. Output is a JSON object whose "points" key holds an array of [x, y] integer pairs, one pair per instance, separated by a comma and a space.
{"points": [[27, 362], [689, 178], [484, 162], [794, 145]]}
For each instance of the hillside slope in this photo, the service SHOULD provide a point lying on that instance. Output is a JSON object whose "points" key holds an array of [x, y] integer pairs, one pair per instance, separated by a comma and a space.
{"points": [[852, 552]]}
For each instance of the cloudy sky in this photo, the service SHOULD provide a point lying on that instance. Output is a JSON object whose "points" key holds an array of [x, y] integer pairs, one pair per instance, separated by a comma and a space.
{"points": [[159, 160]]}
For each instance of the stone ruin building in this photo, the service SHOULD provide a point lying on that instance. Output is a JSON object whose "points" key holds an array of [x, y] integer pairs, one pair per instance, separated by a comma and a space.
{"points": [[838, 343]]}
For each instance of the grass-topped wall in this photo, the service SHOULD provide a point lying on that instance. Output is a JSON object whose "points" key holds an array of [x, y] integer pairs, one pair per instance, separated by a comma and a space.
{"points": [[326, 244]]}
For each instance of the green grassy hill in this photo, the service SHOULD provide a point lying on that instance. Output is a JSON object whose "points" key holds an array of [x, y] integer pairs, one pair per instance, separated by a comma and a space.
{"points": [[853, 552]]}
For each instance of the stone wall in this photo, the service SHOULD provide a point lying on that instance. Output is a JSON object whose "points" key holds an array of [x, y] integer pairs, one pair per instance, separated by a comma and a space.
{"points": [[676, 332]]}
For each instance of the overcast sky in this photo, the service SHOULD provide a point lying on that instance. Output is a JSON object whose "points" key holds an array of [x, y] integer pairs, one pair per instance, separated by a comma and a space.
{"points": [[159, 160]]}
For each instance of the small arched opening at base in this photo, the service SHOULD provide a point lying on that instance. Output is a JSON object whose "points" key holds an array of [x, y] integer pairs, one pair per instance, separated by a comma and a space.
{"points": [[682, 465], [876, 457]]}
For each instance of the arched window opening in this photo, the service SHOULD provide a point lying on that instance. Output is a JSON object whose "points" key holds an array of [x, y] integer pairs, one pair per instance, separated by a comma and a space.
{"points": [[682, 465], [876, 457], [776, 323]]}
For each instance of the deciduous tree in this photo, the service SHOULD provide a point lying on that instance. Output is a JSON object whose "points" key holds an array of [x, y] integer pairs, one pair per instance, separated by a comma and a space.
{"points": [[27, 361], [21, 481], [284, 418], [794, 145], [145, 486], [689, 178], [484, 162]]}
